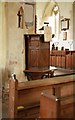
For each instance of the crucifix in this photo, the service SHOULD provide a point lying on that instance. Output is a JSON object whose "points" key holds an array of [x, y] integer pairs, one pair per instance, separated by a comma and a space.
{"points": [[19, 19]]}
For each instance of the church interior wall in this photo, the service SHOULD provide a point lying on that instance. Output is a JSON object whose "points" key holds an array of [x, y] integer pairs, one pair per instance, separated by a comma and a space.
{"points": [[15, 41], [65, 11], [12, 51]]}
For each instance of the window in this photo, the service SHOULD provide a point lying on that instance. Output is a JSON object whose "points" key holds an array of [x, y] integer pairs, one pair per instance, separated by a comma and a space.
{"points": [[54, 21], [29, 16]]}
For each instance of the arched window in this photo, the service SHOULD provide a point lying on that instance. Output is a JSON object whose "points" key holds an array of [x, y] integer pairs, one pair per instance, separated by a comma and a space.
{"points": [[54, 21]]}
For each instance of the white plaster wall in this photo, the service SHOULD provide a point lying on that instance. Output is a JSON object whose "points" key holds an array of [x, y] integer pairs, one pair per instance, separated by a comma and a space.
{"points": [[39, 12], [16, 51], [12, 44], [2, 49], [3, 41], [0, 58], [66, 11]]}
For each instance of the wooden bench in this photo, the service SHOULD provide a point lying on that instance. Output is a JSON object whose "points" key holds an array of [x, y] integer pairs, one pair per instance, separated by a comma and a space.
{"points": [[24, 97], [57, 107]]}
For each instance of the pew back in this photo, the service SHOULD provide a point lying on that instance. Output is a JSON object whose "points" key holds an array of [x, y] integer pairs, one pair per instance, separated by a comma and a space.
{"points": [[24, 98]]}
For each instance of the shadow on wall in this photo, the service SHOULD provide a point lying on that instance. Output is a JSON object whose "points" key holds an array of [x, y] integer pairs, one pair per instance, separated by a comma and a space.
{"points": [[5, 78]]}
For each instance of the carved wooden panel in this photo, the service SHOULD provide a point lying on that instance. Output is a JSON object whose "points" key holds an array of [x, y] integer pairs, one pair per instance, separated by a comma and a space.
{"points": [[37, 52]]}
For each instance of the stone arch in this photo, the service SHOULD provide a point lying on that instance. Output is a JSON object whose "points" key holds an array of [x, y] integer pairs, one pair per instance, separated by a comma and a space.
{"points": [[49, 8]]}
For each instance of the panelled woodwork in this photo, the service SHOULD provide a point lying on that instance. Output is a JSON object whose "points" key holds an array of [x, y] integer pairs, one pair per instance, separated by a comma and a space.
{"points": [[62, 59], [24, 97], [58, 61], [53, 60], [37, 52], [59, 57], [37, 56], [69, 61], [52, 106], [63, 62], [73, 61]]}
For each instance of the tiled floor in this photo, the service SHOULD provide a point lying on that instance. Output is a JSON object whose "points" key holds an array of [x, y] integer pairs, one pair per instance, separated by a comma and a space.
{"points": [[4, 101]]}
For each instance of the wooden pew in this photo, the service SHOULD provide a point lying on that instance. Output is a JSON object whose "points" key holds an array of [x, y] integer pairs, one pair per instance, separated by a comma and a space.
{"points": [[24, 97], [57, 107]]}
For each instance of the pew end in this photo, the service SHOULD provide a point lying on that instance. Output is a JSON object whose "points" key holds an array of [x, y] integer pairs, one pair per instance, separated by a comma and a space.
{"points": [[49, 106], [53, 107], [19, 107], [13, 97]]}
